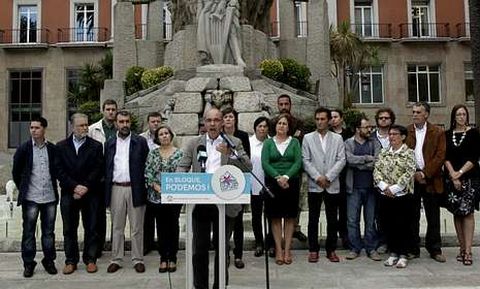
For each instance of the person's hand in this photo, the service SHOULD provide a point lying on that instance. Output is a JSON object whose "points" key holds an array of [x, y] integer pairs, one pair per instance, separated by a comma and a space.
{"points": [[283, 182], [457, 184], [389, 193], [156, 187], [369, 158], [420, 178], [455, 175], [77, 196], [223, 149], [80, 190], [323, 182]]}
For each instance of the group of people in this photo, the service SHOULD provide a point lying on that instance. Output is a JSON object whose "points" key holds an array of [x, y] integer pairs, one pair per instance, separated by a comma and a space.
{"points": [[388, 173]]}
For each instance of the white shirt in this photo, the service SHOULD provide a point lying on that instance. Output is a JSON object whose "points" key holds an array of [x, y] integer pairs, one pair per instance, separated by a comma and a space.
{"points": [[396, 189], [214, 160], [384, 141], [323, 140], [282, 147], [77, 143], [256, 159], [121, 161], [420, 139], [149, 137]]}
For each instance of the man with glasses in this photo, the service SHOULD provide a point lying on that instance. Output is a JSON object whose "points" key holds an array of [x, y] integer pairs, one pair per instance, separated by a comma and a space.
{"points": [[428, 142], [361, 154]]}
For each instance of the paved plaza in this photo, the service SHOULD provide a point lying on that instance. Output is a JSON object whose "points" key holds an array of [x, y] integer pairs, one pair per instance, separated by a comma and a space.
{"points": [[360, 273]]}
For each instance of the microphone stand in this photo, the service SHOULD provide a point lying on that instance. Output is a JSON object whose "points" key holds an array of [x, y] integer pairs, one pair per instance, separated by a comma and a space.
{"points": [[265, 192]]}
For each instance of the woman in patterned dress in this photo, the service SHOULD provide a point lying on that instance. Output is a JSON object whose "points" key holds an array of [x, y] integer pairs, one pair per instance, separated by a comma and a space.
{"points": [[461, 164], [393, 176], [164, 159]]}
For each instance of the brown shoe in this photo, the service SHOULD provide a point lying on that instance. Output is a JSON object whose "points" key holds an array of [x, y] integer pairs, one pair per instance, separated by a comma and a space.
{"points": [[113, 267], [313, 257], [69, 269], [333, 257], [91, 268], [439, 257], [139, 267]]}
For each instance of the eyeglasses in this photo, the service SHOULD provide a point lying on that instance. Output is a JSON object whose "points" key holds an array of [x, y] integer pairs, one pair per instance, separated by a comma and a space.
{"points": [[384, 117], [213, 120]]}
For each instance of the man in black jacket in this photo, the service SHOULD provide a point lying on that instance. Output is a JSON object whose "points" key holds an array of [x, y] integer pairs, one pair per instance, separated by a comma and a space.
{"points": [[80, 167], [125, 192], [35, 177]]}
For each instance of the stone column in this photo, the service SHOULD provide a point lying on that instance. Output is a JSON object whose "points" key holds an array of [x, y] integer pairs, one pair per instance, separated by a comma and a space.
{"points": [[155, 20], [318, 52], [124, 52]]}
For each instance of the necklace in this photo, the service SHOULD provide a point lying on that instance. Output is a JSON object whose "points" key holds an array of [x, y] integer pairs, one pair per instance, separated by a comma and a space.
{"points": [[454, 138]]}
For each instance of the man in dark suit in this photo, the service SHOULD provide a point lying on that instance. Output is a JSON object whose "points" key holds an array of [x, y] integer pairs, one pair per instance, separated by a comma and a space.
{"points": [[206, 216], [125, 192], [35, 177], [80, 169], [428, 141]]}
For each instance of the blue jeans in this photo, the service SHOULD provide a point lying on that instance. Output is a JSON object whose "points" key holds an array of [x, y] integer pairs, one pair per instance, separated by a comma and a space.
{"points": [[30, 212], [355, 201]]}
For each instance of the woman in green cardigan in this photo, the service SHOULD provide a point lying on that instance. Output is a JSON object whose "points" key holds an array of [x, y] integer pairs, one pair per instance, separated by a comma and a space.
{"points": [[282, 163]]}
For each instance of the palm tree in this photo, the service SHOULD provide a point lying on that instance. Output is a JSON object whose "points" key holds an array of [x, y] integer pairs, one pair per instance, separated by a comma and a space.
{"points": [[350, 55], [475, 46]]}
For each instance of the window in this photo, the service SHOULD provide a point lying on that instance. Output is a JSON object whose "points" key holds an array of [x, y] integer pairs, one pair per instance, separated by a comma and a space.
{"points": [[167, 24], [368, 86], [25, 93], [84, 22], [423, 83], [364, 18], [300, 18], [27, 23], [468, 71], [421, 19]]}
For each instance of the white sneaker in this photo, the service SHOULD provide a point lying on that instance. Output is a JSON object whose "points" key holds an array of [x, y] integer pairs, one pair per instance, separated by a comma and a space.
{"points": [[391, 261], [402, 262]]}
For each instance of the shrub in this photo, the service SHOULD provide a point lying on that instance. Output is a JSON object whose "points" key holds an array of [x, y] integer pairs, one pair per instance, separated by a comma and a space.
{"points": [[272, 68], [133, 80], [350, 117], [92, 110], [295, 74], [155, 76]]}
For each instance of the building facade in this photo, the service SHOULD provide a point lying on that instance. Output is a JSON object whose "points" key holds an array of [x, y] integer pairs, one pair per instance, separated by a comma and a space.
{"points": [[424, 52]]}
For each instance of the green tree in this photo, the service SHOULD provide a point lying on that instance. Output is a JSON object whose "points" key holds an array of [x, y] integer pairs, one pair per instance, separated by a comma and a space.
{"points": [[350, 55], [475, 42]]}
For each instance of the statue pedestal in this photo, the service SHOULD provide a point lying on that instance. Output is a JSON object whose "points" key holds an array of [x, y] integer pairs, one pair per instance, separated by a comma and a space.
{"points": [[219, 70]]}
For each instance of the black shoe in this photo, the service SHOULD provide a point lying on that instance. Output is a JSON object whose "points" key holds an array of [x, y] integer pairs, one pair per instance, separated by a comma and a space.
{"points": [[50, 267], [239, 263], [300, 236], [139, 267], [271, 252], [258, 252], [28, 270]]}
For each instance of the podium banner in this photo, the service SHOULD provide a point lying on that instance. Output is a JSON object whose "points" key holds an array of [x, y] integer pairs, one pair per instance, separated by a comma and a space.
{"points": [[228, 185]]}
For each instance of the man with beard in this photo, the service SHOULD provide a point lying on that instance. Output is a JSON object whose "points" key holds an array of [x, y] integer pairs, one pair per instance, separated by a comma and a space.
{"points": [[361, 153], [125, 192], [80, 167]]}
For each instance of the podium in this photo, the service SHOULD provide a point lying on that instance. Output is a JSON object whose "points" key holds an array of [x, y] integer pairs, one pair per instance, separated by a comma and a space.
{"points": [[228, 185]]}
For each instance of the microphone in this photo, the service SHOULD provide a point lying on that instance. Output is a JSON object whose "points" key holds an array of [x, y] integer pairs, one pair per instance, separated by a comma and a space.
{"points": [[229, 142], [202, 157]]}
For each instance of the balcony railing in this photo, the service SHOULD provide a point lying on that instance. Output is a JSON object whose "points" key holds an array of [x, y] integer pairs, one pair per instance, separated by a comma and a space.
{"points": [[141, 31], [95, 34], [463, 30], [25, 36], [275, 29], [424, 30], [373, 30]]}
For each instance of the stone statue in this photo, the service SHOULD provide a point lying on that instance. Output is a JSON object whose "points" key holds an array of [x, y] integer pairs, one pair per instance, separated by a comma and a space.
{"points": [[219, 32], [167, 110], [183, 12]]}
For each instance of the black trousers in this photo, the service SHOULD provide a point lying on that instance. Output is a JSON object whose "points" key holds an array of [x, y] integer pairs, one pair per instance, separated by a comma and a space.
{"points": [[431, 205], [70, 210], [399, 216], [238, 232], [331, 201], [342, 209], [205, 219], [166, 218], [149, 228], [256, 203]]}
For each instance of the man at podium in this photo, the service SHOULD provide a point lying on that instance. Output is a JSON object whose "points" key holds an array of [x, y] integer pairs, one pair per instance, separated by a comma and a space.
{"points": [[206, 153]]}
